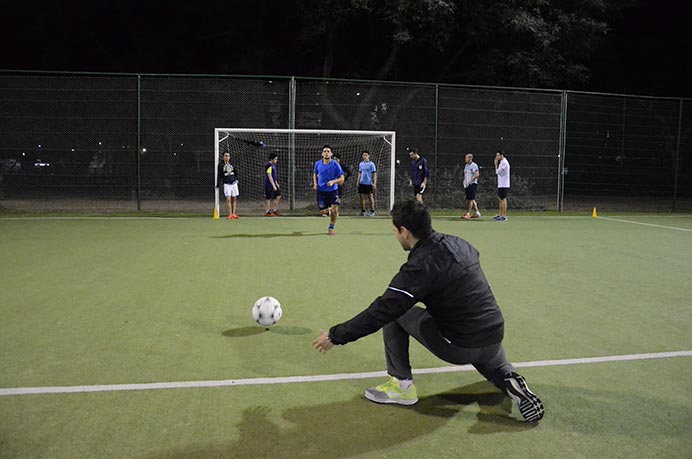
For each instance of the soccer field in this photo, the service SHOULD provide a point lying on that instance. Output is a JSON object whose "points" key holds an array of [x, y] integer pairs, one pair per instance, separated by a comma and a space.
{"points": [[133, 337]]}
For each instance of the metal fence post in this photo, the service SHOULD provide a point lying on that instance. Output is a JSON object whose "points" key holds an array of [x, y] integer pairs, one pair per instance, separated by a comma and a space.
{"points": [[437, 126], [677, 157], [561, 152], [292, 142], [139, 141]]}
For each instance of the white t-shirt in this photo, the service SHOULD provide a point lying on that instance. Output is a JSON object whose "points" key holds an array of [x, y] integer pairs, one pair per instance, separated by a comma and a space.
{"points": [[502, 172], [470, 172]]}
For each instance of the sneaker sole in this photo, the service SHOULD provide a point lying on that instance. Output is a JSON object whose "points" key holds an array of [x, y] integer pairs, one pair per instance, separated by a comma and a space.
{"points": [[393, 401], [530, 406]]}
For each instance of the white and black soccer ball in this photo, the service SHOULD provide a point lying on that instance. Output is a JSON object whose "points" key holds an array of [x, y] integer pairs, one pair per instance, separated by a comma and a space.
{"points": [[267, 311]]}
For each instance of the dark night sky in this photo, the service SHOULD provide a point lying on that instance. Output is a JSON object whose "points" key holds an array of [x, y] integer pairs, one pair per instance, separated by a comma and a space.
{"points": [[646, 52]]}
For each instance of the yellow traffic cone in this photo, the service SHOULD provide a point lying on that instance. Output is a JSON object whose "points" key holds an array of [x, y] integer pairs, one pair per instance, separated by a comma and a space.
{"points": [[216, 214], [594, 214]]}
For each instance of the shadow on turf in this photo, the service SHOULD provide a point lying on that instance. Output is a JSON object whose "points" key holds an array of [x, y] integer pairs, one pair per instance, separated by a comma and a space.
{"points": [[345, 429], [279, 330]]}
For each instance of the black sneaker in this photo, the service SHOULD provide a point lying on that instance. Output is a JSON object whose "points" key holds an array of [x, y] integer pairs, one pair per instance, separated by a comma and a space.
{"points": [[530, 405]]}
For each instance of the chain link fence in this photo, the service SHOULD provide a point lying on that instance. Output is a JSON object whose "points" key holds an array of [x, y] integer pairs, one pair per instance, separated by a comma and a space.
{"points": [[100, 143]]}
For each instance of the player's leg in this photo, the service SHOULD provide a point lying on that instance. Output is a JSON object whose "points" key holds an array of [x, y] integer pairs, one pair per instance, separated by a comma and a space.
{"points": [[234, 199], [228, 206], [372, 202], [477, 213], [468, 209], [334, 213], [362, 204], [322, 206], [234, 205], [399, 388], [277, 200], [499, 204], [333, 203]]}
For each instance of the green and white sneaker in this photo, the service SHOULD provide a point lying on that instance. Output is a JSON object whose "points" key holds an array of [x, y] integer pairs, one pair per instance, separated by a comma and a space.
{"points": [[391, 392]]}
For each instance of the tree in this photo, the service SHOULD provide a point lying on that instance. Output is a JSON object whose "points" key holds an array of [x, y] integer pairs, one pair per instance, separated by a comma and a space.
{"points": [[531, 43]]}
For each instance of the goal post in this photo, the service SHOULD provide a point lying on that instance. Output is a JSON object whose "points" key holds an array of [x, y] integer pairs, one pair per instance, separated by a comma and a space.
{"points": [[298, 150]]}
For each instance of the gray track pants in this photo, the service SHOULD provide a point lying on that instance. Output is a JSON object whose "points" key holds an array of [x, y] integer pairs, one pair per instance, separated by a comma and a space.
{"points": [[490, 361]]}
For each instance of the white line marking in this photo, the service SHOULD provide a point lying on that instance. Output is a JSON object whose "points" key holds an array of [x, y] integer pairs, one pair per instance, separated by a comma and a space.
{"points": [[644, 224], [320, 378]]}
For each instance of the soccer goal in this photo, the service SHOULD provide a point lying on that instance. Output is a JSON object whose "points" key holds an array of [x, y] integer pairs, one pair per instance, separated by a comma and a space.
{"points": [[298, 150]]}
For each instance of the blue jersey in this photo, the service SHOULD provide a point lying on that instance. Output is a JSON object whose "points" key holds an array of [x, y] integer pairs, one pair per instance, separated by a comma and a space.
{"points": [[419, 171], [326, 173], [366, 170]]}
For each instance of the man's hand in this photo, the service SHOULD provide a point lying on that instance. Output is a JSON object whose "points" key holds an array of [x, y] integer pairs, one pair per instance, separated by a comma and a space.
{"points": [[322, 343]]}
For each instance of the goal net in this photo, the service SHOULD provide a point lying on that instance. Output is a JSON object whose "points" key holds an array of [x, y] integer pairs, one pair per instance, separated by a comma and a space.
{"points": [[298, 150]]}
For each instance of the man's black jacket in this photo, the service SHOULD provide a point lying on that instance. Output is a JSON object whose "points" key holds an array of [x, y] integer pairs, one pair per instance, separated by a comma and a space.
{"points": [[444, 273]]}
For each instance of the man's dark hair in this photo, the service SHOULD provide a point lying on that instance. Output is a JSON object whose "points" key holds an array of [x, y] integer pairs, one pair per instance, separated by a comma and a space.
{"points": [[365, 151], [414, 216], [501, 152], [326, 145], [272, 156], [414, 150]]}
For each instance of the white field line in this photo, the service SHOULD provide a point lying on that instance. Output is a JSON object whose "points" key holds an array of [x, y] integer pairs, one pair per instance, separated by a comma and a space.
{"points": [[522, 217], [320, 378], [611, 219]]}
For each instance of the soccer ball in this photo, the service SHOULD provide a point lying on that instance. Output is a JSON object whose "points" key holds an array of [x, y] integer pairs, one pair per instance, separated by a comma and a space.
{"points": [[267, 311]]}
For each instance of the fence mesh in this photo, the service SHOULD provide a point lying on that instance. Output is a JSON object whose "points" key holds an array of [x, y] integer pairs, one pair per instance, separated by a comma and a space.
{"points": [[96, 142]]}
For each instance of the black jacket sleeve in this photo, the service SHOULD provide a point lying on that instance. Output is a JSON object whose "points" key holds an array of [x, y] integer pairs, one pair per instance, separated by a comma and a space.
{"points": [[399, 297]]}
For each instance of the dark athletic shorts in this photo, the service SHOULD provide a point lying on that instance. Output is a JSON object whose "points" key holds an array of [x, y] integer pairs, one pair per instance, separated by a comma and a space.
{"points": [[269, 193], [326, 199], [471, 192], [502, 193], [364, 189]]}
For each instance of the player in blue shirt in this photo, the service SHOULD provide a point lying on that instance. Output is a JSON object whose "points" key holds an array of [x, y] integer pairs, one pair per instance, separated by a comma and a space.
{"points": [[326, 178], [367, 183], [419, 173]]}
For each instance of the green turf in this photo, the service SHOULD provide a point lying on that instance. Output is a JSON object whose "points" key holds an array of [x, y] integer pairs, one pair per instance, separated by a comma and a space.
{"points": [[110, 301]]}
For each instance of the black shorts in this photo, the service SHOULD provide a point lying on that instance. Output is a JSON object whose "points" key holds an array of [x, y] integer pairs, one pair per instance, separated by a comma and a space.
{"points": [[502, 193], [418, 189], [471, 192], [269, 193], [327, 199], [364, 189]]}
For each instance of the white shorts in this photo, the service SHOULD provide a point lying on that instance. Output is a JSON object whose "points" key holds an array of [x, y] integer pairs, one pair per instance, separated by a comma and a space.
{"points": [[230, 189]]}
